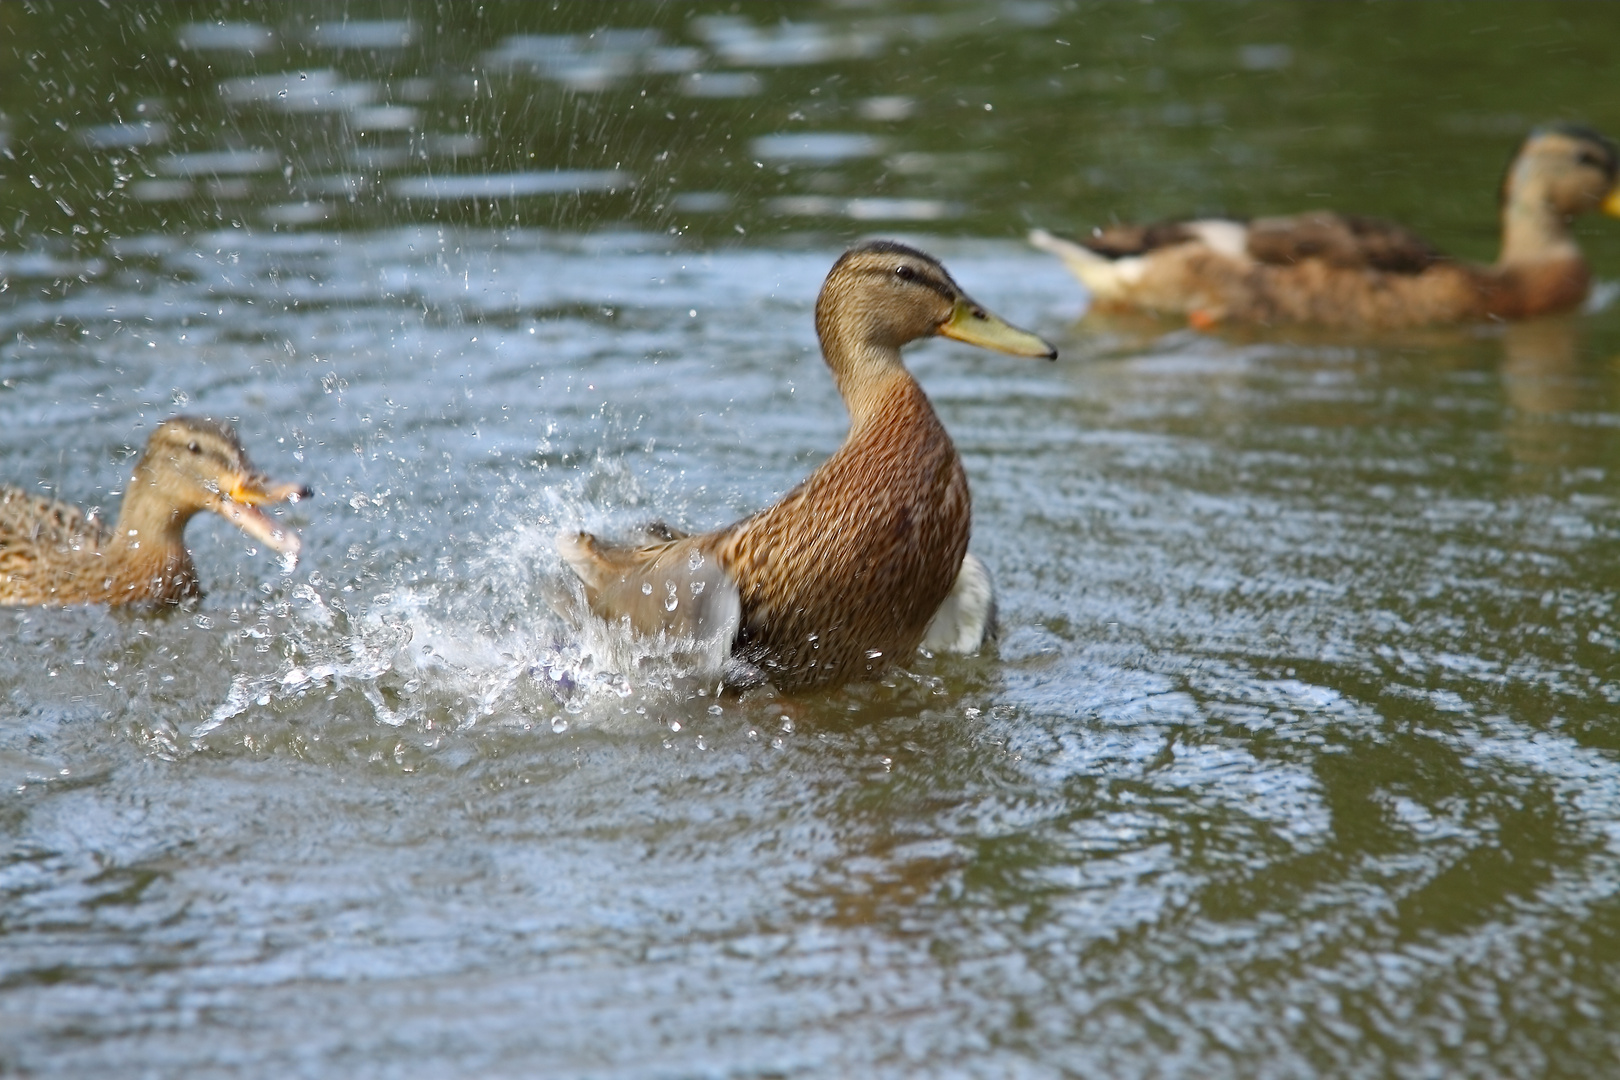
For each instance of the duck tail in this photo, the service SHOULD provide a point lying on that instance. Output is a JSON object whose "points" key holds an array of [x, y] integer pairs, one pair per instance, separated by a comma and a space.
{"points": [[586, 557], [1105, 277], [966, 621]]}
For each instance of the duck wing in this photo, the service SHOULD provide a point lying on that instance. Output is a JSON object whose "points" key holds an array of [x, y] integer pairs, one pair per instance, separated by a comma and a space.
{"points": [[1348, 241], [45, 547], [29, 520], [1121, 241], [674, 587]]}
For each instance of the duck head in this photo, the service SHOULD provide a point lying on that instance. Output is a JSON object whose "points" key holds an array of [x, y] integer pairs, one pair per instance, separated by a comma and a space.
{"points": [[882, 294], [1567, 169], [197, 463]]}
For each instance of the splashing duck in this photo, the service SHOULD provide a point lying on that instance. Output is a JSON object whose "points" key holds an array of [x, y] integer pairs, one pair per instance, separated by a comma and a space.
{"points": [[52, 553], [864, 561], [1345, 271]]}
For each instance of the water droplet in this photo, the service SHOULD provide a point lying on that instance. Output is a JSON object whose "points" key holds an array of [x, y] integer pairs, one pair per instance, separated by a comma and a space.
{"points": [[646, 588], [674, 725], [559, 724], [701, 744], [671, 601], [873, 654], [694, 561], [715, 710], [787, 724], [777, 743], [753, 733]]}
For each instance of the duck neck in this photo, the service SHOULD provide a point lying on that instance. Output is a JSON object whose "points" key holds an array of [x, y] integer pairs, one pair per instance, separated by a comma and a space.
{"points": [[148, 523], [868, 374], [1533, 230]]}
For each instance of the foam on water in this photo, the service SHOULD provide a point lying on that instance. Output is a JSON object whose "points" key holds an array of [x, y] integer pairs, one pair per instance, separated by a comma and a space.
{"points": [[507, 641]]}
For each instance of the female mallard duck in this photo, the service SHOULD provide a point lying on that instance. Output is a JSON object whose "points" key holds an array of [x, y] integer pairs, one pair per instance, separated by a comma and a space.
{"points": [[1336, 270], [53, 553], [867, 558]]}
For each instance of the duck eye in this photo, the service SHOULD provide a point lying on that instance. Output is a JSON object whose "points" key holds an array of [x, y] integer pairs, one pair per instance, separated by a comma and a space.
{"points": [[905, 273], [194, 448]]}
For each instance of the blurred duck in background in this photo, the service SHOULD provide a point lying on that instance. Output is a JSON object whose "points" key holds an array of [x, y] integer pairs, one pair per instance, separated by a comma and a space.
{"points": [[52, 553], [1340, 270]]}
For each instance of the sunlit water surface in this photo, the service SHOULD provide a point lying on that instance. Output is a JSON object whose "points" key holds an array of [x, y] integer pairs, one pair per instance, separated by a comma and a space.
{"points": [[1297, 755]]}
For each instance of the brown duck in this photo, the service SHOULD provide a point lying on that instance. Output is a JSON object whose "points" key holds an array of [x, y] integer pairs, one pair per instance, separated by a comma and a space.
{"points": [[1345, 271], [54, 553], [867, 558]]}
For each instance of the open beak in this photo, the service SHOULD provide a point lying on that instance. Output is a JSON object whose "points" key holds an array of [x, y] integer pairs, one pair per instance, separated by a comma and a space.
{"points": [[1611, 205], [239, 504], [973, 324]]}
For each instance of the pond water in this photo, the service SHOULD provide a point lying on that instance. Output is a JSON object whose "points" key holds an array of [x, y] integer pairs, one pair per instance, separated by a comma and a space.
{"points": [[1298, 754]]}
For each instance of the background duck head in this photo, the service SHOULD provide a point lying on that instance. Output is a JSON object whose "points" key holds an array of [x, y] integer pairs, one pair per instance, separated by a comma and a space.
{"points": [[197, 463], [1557, 174]]}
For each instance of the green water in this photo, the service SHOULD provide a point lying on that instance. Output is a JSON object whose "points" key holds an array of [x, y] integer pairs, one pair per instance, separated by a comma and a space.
{"points": [[1297, 755]]}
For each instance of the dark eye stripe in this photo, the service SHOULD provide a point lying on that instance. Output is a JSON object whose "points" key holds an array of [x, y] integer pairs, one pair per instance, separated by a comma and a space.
{"points": [[920, 277]]}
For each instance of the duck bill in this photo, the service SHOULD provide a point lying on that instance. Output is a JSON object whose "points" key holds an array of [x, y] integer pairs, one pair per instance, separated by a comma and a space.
{"points": [[973, 324], [1611, 205], [240, 506]]}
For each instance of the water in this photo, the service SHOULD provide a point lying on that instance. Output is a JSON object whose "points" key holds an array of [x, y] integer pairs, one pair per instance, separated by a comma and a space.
{"points": [[1296, 756]]}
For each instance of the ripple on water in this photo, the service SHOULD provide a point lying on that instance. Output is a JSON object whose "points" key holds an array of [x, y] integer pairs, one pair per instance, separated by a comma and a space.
{"points": [[1294, 755]]}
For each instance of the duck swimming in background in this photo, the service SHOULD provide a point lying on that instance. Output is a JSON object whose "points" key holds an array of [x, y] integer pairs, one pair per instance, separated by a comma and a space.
{"points": [[1344, 271], [864, 561], [52, 553]]}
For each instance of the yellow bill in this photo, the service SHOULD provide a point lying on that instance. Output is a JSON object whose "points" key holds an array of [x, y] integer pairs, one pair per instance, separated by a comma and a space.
{"points": [[258, 490], [240, 506], [1611, 205], [973, 324]]}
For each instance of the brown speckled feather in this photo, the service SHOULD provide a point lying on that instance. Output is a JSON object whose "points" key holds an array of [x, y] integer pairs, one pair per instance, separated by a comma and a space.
{"points": [[1347, 241], [29, 518], [843, 598]]}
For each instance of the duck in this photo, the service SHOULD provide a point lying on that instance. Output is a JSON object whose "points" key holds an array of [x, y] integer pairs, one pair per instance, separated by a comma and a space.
{"points": [[55, 554], [866, 560], [1347, 271]]}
